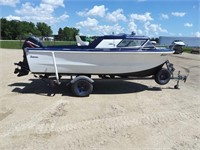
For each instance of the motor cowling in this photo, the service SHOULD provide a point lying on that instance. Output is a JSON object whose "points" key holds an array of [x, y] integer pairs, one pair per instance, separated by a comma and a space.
{"points": [[32, 42]]}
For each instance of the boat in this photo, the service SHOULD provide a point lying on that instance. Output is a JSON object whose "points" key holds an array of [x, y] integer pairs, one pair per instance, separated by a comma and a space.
{"points": [[121, 56], [177, 46]]}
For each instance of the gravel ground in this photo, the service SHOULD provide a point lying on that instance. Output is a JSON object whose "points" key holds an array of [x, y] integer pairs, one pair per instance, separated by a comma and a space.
{"points": [[118, 115]]}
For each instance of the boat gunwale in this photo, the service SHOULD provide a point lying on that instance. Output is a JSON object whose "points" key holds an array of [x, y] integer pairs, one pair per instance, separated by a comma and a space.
{"points": [[101, 50]]}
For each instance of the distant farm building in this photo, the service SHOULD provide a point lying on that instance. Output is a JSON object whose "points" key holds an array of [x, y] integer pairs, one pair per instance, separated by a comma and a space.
{"points": [[189, 41], [47, 38]]}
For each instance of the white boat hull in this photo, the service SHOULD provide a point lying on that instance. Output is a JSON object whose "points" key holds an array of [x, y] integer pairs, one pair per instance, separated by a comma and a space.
{"points": [[79, 62]]}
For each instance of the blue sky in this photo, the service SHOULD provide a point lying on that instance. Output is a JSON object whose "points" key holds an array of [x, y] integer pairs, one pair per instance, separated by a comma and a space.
{"points": [[97, 17]]}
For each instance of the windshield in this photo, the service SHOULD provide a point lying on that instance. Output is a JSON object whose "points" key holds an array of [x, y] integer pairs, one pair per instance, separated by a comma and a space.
{"points": [[149, 45], [131, 43]]}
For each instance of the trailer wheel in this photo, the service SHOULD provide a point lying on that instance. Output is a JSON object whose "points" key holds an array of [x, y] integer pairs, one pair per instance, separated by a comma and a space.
{"points": [[163, 76], [82, 88]]}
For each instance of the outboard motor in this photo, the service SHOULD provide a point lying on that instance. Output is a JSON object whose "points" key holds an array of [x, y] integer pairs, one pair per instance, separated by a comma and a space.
{"points": [[23, 67]]}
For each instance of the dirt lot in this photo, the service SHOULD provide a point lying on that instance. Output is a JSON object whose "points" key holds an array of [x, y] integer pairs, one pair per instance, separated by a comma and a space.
{"points": [[118, 115]]}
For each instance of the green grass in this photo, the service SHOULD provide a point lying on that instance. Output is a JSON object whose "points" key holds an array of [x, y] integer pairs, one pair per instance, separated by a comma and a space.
{"points": [[11, 44], [59, 42], [187, 49], [15, 44]]}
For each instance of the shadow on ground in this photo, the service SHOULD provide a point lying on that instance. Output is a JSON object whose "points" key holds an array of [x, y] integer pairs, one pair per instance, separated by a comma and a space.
{"points": [[120, 87], [100, 87]]}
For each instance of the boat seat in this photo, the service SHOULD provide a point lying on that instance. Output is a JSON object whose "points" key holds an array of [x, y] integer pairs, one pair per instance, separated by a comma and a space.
{"points": [[80, 42]]}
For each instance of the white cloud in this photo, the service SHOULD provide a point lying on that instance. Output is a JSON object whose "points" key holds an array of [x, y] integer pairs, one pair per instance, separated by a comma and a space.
{"points": [[11, 3], [164, 16], [188, 25], [180, 34], [53, 3], [132, 26], [106, 29], [178, 14], [29, 10], [44, 12], [96, 11], [63, 17], [11, 17], [139, 32], [92, 25], [153, 28], [116, 16], [156, 28], [197, 34], [82, 13], [89, 22], [145, 17]]}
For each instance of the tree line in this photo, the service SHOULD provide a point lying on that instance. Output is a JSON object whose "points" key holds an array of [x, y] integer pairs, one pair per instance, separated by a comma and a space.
{"points": [[16, 30], [67, 34]]}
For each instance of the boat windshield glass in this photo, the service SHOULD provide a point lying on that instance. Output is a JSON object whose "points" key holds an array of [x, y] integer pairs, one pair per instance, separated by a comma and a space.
{"points": [[131, 43], [149, 45]]}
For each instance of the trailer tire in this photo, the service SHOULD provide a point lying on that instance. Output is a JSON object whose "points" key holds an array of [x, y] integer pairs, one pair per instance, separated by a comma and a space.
{"points": [[163, 76], [82, 88]]}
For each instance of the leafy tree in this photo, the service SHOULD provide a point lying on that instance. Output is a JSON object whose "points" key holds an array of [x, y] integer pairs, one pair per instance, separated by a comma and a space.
{"points": [[5, 29], [60, 34], [44, 29], [14, 29], [67, 33]]}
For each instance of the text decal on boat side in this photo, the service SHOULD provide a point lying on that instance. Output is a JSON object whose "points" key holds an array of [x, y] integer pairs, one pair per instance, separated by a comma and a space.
{"points": [[33, 56]]}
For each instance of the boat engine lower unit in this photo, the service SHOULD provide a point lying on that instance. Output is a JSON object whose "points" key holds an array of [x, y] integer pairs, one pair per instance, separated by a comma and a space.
{"points": [[23, 67], [110, 57]]}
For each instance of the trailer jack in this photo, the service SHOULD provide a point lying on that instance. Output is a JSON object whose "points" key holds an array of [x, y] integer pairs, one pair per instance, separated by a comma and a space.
{"points": [[178, 78]]}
